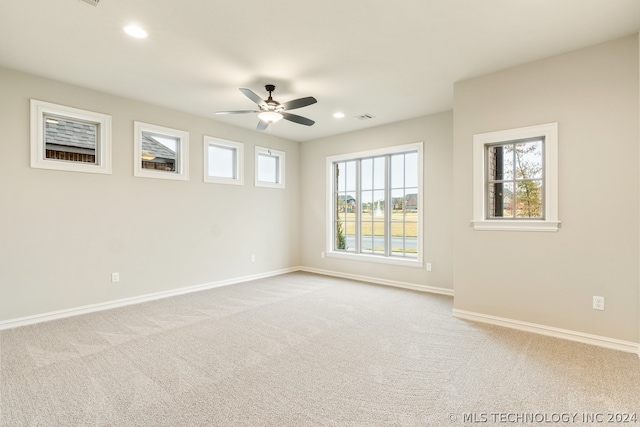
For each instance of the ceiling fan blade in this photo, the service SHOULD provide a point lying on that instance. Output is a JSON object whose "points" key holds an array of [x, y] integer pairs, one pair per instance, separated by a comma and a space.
{"points": [[297, 119], [237, 112], [299, 103], [252, 96], [262, 125]]}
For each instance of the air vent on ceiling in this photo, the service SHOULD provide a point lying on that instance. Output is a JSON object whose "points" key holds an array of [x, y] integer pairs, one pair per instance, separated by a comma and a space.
{"points": [[92, 2], [364, 117]]}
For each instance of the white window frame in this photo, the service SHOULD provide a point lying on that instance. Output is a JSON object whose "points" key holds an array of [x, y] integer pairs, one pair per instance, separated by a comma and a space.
{"points": [[38, 144], [280, 174], [330, 203], [238, 147], [550, 221], [182, 152]]}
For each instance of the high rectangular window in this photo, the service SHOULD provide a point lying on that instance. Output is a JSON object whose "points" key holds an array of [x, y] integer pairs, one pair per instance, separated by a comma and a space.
{"points": [[160, 152], [376, 204], [224, 161], [515, 179], [70, 139], [270, 168]]}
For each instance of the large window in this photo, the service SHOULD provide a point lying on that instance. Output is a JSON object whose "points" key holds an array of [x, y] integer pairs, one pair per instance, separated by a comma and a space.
{"points": [[515, 179], [376, 205], [69, 139]]}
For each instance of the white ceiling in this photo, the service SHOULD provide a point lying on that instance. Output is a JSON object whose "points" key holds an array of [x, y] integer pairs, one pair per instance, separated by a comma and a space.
{"points": [[393, 60]]}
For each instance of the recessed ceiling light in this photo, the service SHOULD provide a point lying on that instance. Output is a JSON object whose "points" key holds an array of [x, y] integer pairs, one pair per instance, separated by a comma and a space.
{"points": [[338, 115], [135, 31]]}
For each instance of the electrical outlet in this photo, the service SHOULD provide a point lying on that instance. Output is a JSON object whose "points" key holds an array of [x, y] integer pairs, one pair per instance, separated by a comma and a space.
{"points": [[598, 303], [428, 266], [253, 258], [115, 277]]}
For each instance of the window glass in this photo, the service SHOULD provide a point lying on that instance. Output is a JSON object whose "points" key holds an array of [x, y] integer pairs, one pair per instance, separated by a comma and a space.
{"points": [[270, 168], [515, 180], [160, 152], [223, 161], [267, 168], [70, 140]]}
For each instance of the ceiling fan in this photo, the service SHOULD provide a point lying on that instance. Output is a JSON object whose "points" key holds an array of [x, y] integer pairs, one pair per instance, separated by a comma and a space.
{"points": [[271, 110]]}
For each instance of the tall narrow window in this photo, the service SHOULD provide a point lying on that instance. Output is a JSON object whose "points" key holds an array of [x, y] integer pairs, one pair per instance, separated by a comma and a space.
{"points": [[345, 222], [375, 206], [66, 138]]}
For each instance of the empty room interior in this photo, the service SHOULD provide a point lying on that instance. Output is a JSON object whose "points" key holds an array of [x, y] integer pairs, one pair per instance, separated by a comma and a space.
{"points": [[417, 213]]}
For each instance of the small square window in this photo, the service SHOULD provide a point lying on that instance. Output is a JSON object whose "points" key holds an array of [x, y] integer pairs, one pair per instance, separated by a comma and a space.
{"points": [[270, 167], [223, 161], [69, 139], [160, 152]]}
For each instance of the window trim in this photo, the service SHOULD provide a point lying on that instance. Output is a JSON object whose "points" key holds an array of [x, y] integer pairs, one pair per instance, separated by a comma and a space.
{"points": [[281, 167], [239, 166], [38, 145], [330, 203], [182, 161], [550, 221]]}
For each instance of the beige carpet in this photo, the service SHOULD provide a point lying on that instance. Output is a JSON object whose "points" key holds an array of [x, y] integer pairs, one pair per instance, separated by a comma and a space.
{"points": [[303, 350]]}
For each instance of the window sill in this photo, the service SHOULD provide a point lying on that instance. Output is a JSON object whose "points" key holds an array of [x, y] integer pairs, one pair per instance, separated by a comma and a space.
{"points": [[216, 180], [515, 225], [269, 184], [375, 259]]}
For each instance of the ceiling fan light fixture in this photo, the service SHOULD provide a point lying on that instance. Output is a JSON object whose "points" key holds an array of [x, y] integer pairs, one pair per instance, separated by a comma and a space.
{"points": [[272, 111], [270, 116]]}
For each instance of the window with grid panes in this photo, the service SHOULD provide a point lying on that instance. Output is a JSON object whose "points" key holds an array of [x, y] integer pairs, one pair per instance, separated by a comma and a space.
{"points": [[515, 179], [376, 203]]}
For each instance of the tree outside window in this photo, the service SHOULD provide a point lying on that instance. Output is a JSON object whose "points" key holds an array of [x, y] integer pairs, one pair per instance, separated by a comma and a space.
{"points": [[515, 180]]}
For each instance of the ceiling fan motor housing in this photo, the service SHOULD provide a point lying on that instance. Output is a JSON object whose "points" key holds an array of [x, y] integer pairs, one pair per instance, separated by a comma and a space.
{"points": [[271, 103]]}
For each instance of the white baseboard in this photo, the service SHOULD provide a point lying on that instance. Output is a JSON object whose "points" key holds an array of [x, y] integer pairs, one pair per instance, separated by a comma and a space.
{"points": [[611, 343], [376, 280], [60, 314], [600, 341]]}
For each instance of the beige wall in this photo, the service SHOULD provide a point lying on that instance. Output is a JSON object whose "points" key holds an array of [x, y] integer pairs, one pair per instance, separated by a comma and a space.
{"points": [[550, 278], [63, 233], [435, 132]]}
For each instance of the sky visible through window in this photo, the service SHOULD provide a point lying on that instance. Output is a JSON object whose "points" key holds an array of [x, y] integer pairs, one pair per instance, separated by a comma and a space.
{"points": [[404, 174], [170, 142], [267, 168], [222, 161]]}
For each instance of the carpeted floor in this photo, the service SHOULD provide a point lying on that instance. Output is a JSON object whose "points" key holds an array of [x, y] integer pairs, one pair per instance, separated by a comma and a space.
{"points": [[304, 350]]}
